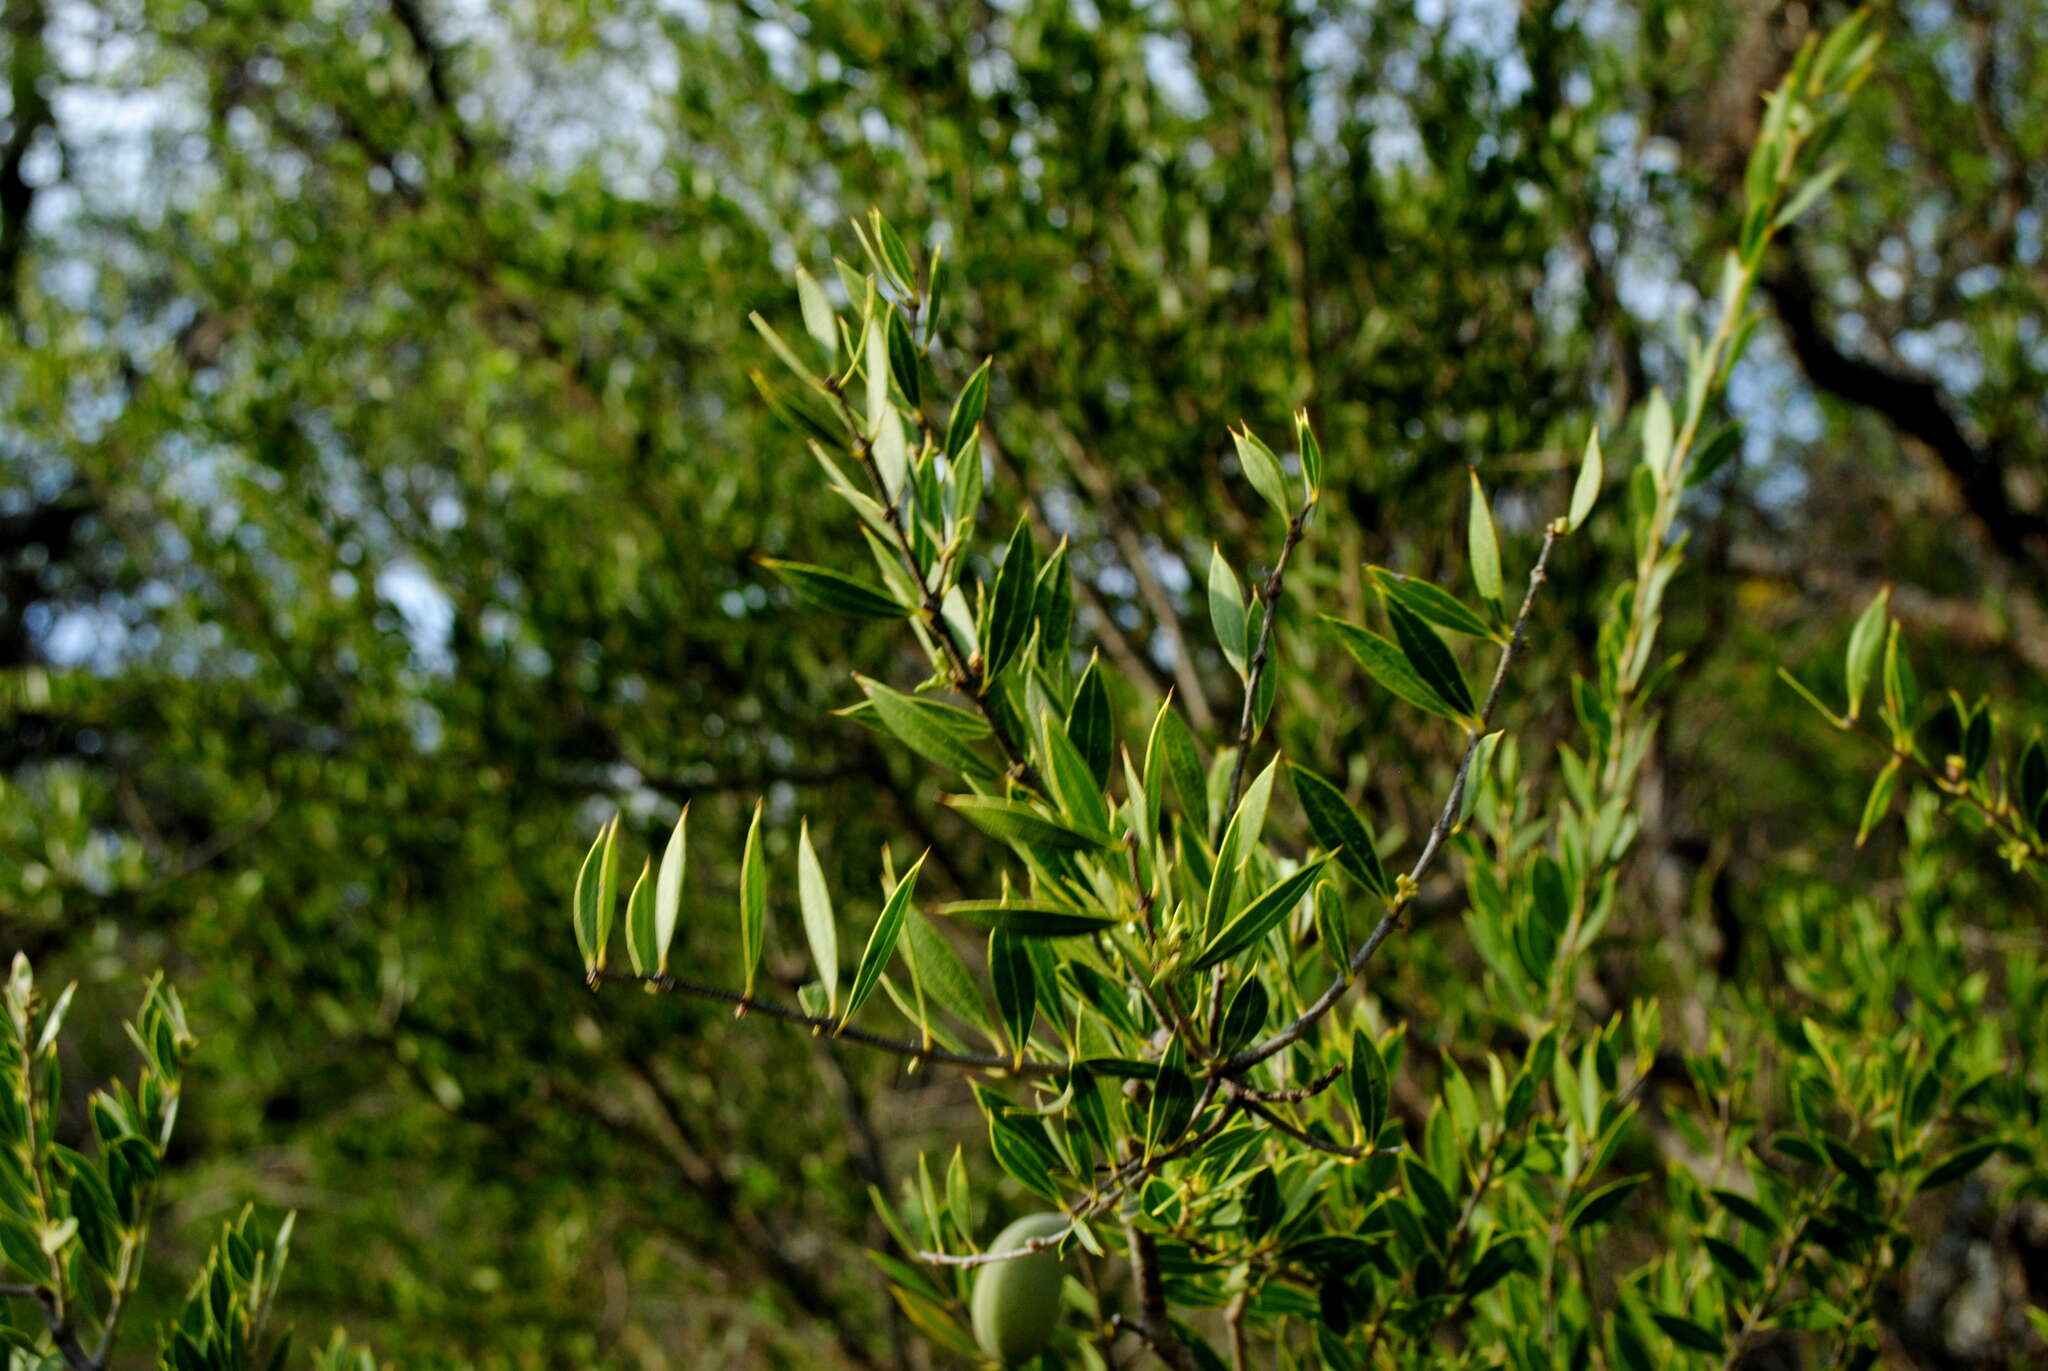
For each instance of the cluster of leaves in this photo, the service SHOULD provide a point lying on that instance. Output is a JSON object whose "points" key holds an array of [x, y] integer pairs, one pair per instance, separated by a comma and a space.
{"points": [[74, 1227], [1949, 743], [1169, 971]]}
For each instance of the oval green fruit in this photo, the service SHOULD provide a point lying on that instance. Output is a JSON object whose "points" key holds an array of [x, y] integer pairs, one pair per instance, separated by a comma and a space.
{"points": [[1017, 1302]]}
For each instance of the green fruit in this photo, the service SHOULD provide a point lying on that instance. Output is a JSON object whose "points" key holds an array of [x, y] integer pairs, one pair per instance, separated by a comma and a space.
{"points": [[1017, 1302]]}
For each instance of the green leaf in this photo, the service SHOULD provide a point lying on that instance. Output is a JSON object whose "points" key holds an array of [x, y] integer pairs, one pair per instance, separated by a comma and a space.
{"points": [[1010, 603], [1024, 921], [1686, 1333], [1183, 762], [1731, 1259], [815, 898], [1433, 603], [1172, 1106], [1430, 659], [819, 320], [834, 591], [900, 715], [1068, 776], [1088, 723], [1879, 801], [1017, 822], [1388, 665], [1249, 1006], [1958, 1165], [1483, 544], [895, 256], [1227, 612], [1262, 469], [640, 949], [596, 887], [668, 892], [1865, 641], [1009, 971], [1339, 830], [1657, 437], [782, 349], [1599, 1206], [1747, 1210], [940, 976], [1020, 1155], [1259, 916], [753, 902], [1370, 1088], [903, 358], [1240, 838], [1311, 453], [882, 941], [1592, 473], [967, 412]]}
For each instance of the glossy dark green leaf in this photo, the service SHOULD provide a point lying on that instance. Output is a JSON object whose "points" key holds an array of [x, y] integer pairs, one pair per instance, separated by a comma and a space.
{"points": [[1088, 723], [1388, 665], [967, 412], [1010, 603], [822, 588], [1338, 829], [1009, 972], [1370, 1086], [882, 941], [1432, 603], [1259, 917], [1430, 660]]}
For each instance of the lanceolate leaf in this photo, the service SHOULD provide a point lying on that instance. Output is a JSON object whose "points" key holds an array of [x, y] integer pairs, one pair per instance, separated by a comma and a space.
{"points": [[1484, 546], [1432, 602], [640, 950], [1388, 665], [1592, 472], [1009, 622], [668, 893], [1023, 920], [1088, 724], [592, 912], [1227, 612], [753, 902], [1338, 828], [815, 898], [822, 588], [881, 942], [967, 412], [1239, 840], [1865, 640], [1017, 822], [1369, 1085], [940, 976], [1259, 917], [1183, 763], [1009, 971], [928, 737], [1430, 659], [1262, 469]]}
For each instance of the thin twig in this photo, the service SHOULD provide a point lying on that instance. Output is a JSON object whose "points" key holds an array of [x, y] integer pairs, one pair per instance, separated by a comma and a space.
{"points": [[1324, 1003], [1300, 1135], [826, 1024]]}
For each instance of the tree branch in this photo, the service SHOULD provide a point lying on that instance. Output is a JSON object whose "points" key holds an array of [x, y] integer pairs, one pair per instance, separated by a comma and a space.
{"points": [[1915, 407], [824, 1024], [1324, 1003]]}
